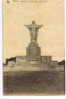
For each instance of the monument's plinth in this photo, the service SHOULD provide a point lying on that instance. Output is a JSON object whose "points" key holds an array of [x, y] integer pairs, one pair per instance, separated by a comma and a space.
{"points": [[33, 52]]}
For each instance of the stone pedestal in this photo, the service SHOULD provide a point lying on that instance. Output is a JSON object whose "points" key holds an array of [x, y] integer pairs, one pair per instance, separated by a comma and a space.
{"points": [[33, 52]]}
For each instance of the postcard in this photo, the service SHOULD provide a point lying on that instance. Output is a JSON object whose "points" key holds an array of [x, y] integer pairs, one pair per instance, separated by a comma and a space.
{"points": [[33, 59]]}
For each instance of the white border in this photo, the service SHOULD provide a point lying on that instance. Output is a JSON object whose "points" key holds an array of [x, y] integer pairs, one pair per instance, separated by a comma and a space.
{"points": [[65, 42], [1, 67], [1, 81]]}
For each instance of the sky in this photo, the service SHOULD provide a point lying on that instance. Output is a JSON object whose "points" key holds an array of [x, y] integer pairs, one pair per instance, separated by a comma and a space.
{"points": [[49, 13]]}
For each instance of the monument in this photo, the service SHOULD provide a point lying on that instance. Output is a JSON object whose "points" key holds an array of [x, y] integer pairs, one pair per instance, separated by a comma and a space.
{"points": [[33, 61], [33, 51]]}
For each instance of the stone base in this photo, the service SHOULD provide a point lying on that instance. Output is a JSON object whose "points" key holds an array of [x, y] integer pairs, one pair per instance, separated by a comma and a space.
{"points": [[33, 52]]}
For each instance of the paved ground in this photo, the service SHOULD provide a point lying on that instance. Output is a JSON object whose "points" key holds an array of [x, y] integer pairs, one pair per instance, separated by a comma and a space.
{"points": [[34, 83]]}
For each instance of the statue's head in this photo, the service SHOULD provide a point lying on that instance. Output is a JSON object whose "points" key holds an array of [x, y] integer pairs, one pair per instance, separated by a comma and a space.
{"points": [[33, 22]]}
